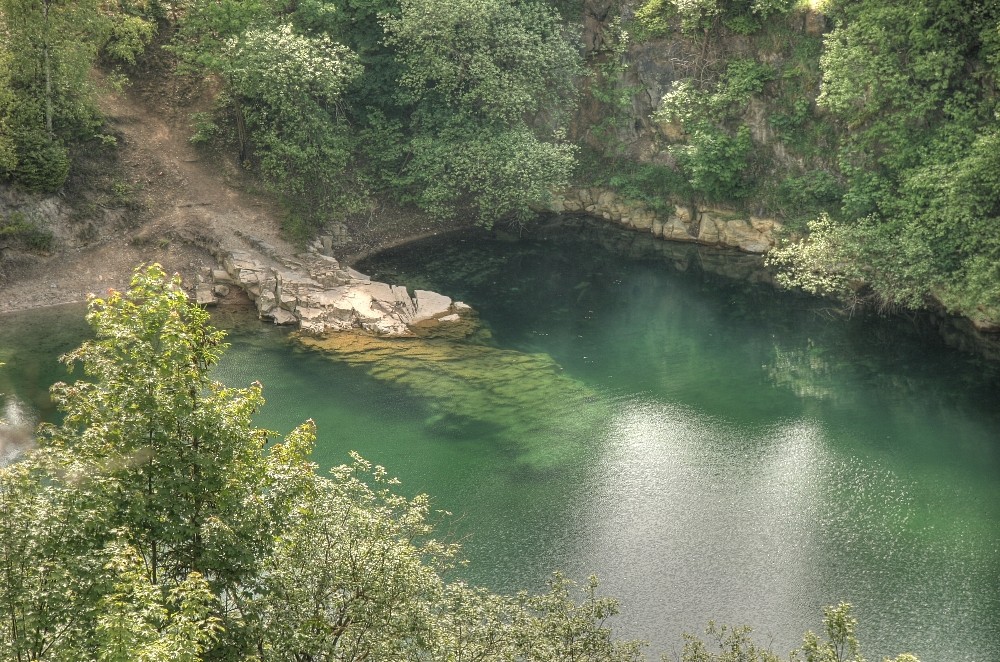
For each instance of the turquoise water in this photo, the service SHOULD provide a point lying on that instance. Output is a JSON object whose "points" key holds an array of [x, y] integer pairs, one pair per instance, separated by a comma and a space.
{"points": [[710, 448]]}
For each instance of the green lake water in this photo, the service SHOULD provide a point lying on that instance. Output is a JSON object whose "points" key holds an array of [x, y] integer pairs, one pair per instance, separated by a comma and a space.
{"points": [[712, 449]]}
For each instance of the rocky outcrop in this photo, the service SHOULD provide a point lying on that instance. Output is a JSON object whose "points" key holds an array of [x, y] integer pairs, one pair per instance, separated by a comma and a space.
{"points": [[316, 293], [711, 227]]}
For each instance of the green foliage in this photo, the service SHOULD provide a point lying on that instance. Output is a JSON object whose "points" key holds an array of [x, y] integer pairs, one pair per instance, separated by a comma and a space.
{"points": [[24, 232], [653, 19], [358, 561], [807, 196], [458, 108], [152, 524], [862, 263], [174, 455], [151, 462], [42, 162], [490, 85], [359, 25], [606, 85], [733, 643], [51, 578], [383, 150], [205, 29], [559, 629], [494, 60], [46, 93], [493, 175], [909, 85], [8, 101], [712, 158], [288, 90], [840, 645], [901, 166], [715, 163], [823, 264], [129, 30], [206, 130], [688, 104], [147, 623], [656, 18], [736, 644], [651, 184]]}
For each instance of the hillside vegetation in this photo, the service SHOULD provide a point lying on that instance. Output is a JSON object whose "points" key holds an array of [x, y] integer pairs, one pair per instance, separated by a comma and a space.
{"points": [[871, 125]]}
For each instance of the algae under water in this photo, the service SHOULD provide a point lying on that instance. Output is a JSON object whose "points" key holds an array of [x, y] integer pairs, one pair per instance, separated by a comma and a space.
{"points": [[711, 448]]}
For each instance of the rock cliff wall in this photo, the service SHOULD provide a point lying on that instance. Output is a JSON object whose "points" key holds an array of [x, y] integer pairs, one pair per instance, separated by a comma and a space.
{"points": [[708, 226]]}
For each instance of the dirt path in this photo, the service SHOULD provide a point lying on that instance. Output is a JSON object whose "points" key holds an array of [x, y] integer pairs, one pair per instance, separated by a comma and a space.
{"points": [[189, 202], [188, 205]]}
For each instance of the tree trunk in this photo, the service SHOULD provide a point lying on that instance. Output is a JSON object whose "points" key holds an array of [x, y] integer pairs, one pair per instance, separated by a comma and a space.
{"points": [[48, 71]]}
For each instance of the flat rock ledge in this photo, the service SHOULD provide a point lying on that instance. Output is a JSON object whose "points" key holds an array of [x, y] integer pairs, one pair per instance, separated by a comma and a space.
{"points": [[314, 292], [710, 227]]}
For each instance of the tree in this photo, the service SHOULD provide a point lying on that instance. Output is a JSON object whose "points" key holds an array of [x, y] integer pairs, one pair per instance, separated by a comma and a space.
{"points": [[8, 146], [910, 87], [175, 456], [491, 84], [288, 91], [153, 524], [155, 473], [49, 48], [355, 576], [457, 107]]}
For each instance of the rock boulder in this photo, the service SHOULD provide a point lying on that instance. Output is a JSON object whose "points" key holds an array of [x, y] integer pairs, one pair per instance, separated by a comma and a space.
{"points": [[313, 291]]}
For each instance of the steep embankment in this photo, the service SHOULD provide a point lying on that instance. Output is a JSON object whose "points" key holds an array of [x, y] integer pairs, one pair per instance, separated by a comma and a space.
{"points": [[177, 205], [184, 205]]}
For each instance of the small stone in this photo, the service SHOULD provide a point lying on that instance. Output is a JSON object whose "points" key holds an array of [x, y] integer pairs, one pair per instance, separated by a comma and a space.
{"points": [[204, 295], [283, 317], [221, 276]]}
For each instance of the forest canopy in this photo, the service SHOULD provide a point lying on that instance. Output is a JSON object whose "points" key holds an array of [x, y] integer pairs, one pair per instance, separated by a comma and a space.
{"points": [[454, 106], [881, 127]]}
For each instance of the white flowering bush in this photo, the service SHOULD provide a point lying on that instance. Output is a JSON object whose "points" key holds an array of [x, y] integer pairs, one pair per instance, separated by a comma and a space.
{"points": [[289, 89]]}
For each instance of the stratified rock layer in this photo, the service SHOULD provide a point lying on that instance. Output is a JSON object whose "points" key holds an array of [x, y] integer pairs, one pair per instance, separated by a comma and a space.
{"points": [[478, 390], [314, 292], [711, 227]]}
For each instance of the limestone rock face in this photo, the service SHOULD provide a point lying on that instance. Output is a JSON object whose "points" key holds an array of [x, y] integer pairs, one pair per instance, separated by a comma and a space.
{"points": [[430, 305], [204, 294], [312, 290], [713, 227]]}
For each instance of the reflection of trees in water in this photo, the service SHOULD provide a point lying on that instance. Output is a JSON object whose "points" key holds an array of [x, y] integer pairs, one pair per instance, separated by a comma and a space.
{"points": [[806, 372]]}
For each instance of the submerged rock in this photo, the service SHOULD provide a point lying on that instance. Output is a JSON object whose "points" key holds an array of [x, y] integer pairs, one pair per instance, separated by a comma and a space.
{"points": [[522, 398]]}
